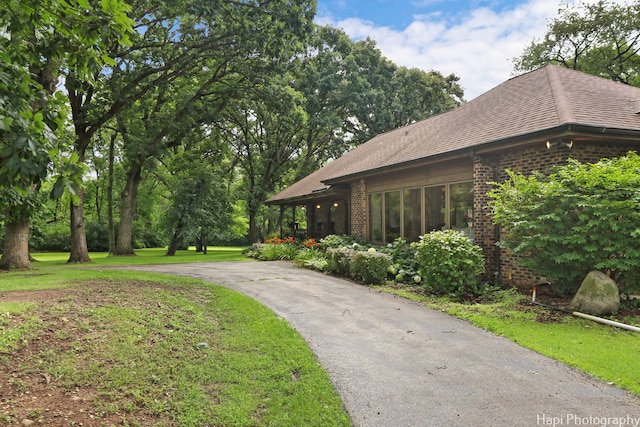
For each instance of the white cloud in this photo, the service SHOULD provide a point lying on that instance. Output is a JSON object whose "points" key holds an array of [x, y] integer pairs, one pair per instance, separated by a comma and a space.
{"points": [[479, 47]]}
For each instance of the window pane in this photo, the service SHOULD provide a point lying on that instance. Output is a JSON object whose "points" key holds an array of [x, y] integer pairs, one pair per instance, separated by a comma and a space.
{"points": [[435, 206], [462, 208], [412, 206], [375, 217], [392, 215]]}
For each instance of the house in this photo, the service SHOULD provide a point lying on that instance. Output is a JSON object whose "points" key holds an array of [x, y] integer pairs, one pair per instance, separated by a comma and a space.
{"points": [[435, 173]]}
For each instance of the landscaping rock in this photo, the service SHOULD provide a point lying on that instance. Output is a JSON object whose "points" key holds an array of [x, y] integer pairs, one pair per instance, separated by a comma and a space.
{"points": [[598, 295]]}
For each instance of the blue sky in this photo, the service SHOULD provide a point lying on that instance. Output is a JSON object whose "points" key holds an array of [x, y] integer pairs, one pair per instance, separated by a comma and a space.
{"points": [[474, 39]]}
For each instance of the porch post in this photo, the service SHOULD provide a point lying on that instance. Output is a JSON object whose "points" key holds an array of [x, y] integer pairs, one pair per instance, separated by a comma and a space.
{"points": [[358, 224]]}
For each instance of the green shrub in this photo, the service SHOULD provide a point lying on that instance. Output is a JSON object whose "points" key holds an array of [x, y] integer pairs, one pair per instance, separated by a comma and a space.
{"points": [[405, 266], [370, 266], [97, 236], [318, 263], [581, 217], [311, 257], [54, 237], [254, 250], [278, 251], [335, 241], [448, 263], [339, 260]]}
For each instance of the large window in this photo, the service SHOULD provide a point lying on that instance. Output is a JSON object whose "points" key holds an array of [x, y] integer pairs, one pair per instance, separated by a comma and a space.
{"points": [[461, 211], [436, 208], [410, 213], [391, 216], [375, 217]]}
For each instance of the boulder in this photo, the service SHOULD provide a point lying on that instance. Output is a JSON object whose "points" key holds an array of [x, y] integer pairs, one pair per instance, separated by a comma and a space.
{"points": [[598, 295]]}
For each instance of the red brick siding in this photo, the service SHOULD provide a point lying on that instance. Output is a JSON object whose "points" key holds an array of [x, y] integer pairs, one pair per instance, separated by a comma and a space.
{"points": [[359, 209]]}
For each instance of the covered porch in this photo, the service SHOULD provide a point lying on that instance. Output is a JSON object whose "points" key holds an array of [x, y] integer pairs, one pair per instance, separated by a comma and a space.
{"points": [[316, 216]]}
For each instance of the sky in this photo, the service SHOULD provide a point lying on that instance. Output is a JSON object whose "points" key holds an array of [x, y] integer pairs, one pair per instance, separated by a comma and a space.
{"points": [[476, 40]]}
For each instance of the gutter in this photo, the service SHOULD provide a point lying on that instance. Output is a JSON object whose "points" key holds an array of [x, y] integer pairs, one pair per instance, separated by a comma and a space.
{"points": [[505, 143]]}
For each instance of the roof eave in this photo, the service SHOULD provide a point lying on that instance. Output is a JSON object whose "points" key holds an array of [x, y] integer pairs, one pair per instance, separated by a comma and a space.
{"points": [[304, 198], [496, 145]]}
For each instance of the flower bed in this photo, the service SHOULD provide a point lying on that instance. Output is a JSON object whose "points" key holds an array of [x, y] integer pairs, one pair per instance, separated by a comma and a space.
{"points": [[443, 262]]}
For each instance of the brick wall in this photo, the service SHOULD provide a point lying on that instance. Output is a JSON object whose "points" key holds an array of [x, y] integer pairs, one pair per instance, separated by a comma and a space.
{"points": [[492, 168], [484, 172], [359, 209]]}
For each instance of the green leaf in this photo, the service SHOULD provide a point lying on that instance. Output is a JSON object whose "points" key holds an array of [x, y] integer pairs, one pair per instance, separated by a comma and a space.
{"points": [[58, 189]]}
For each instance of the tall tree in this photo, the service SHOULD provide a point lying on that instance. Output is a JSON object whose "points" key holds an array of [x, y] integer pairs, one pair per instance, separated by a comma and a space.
{"points": [[206, 46], [39, 41], [199, 204], [353, 93], [387, 96], [266, 135], [602, 39], [339, 93]]}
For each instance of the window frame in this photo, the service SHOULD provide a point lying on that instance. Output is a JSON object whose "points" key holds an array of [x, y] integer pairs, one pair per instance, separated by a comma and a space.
{"points": [[423, 206]]}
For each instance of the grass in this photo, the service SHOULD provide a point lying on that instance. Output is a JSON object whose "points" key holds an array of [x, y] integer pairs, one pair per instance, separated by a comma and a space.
{"points": [[146, 256], [153, 349], [605, 352], [144, 349]]}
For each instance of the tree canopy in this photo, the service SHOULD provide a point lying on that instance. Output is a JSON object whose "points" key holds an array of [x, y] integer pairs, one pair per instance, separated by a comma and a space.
{"points": [[602, 39], [153, 88], [40, 41]]}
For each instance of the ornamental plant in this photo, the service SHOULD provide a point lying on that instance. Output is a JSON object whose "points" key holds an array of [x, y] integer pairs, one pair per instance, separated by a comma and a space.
{"points": [[339, 260], [276, 248], [279, 241], [310, 243], [448, 263], [335, 241], [581, 217], [370, 266], [405, 267]]}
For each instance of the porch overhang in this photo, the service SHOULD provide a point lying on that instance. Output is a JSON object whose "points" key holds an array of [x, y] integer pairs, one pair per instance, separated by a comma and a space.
{"points": [[313, 197]]}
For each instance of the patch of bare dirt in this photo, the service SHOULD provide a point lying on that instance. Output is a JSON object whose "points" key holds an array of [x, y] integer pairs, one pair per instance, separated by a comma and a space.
{"points": [[31, 396]]}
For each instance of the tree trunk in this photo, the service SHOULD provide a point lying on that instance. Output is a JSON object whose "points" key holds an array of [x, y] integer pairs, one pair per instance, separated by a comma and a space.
{"points": [[112, 234], [253, 231], [15, 255], [124, 242], [176, 240], [79, 251], [201, 242], [173, 245]]}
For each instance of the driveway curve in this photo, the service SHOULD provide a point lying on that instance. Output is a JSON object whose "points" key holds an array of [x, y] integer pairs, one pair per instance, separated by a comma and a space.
{"points": [[397, 363]]}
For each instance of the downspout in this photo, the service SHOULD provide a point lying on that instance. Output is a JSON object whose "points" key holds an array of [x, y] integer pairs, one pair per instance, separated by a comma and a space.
{"points": [[585, 316], [496, 230]]}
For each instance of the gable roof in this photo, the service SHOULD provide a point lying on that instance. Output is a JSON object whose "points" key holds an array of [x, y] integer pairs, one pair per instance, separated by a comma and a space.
{"points": [[545, 99]]}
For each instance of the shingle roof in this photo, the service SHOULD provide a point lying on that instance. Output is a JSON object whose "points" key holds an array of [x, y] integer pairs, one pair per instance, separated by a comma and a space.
{"points": [[543, 99]]}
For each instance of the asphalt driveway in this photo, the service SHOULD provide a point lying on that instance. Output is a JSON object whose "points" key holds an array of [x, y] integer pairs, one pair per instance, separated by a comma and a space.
{"points": [[398, 363]]}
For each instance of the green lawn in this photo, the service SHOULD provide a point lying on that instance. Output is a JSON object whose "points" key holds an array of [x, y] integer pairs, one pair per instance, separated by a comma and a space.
{"points": [[146, 256], [143, 349]]}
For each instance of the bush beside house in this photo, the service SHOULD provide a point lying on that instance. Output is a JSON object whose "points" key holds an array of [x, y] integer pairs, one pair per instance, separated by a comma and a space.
{"points": [[579, 218]]}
